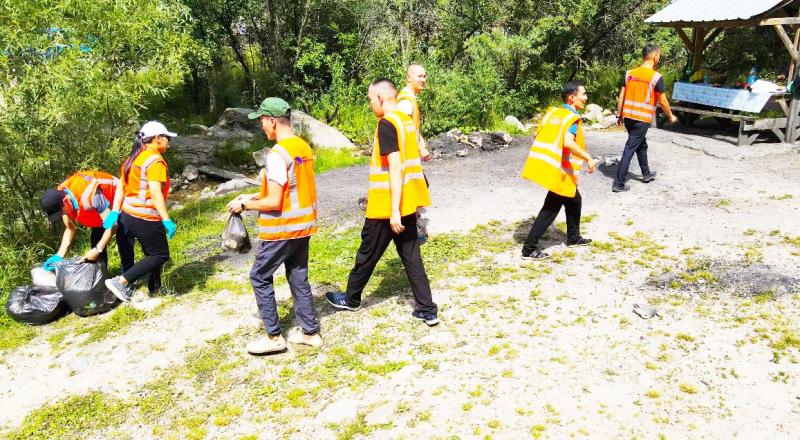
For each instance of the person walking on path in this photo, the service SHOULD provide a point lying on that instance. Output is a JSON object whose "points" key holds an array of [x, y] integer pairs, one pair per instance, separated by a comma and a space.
{"points": [[557, 154], [287, 206], [641, 89], [86, 198], [142, 198], [396, 189], [416, 78]]}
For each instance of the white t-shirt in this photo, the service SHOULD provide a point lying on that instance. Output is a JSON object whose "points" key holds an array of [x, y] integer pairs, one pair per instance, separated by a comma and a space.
{"points": [[406, 106], [276, 169]]}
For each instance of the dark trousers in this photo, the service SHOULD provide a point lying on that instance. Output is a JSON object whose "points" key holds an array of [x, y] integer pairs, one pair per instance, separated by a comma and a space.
{"points": [[552, 205], [153, 238], [124, 246], [293, 254], [375, 238], [637, 144]]}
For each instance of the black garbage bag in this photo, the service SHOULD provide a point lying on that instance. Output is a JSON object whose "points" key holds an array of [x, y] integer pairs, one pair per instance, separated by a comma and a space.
{"points": [[83, 286], [234, 236], [36, 305]]}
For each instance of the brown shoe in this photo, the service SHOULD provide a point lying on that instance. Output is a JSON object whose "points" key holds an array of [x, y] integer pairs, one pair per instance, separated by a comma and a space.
{"points": [[301, 338], [267, 345]]}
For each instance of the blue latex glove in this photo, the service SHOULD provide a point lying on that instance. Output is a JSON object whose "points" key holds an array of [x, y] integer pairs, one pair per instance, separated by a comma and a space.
{"points": [[50, 264], [169, 225], [111, 219]]}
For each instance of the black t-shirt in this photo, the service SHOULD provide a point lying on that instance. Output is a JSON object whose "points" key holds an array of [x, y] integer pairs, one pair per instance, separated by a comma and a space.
{"points": [[387, 137], [660, 87]]}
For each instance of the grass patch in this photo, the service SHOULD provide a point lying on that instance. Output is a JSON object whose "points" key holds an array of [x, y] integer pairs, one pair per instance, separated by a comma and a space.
{"points": [[114, 324], [72, 418], [330, 159]]}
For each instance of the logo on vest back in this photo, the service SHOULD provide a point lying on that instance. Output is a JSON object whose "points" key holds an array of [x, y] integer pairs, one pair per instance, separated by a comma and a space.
{"points": [[301, 160]]}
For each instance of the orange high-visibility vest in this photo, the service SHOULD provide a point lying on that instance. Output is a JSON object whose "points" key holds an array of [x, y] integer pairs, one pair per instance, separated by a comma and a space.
{"points": [[297, 215], [641, 97], [83, 185], [416, 116], [550, 164], [415, 192], [138, 201]]}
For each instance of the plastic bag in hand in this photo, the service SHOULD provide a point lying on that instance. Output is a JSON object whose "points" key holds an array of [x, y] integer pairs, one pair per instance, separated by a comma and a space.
{"points": [[84, 288], [36, 305], [234, 236]]}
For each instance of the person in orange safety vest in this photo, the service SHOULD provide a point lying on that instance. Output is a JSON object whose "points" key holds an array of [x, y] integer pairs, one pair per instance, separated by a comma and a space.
{"points": [[287, 218], [641, 90], [140, 204], [556, 156], [86, 199]]}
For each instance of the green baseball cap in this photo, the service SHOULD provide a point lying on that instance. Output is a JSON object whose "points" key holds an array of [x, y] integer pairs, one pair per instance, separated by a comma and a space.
{"points": [[275, 107]]}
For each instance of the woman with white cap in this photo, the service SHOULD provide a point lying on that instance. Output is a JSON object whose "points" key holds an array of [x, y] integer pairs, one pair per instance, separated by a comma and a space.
{"points": [[142, 197]]}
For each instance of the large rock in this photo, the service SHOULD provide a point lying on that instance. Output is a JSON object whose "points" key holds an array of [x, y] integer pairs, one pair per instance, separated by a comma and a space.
{"points": [[593, 113], [317, 133], [513, 121], [190, 173], [231, 186]]}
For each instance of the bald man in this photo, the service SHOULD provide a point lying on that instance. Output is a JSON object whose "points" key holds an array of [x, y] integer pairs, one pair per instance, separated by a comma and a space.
{"points": [[396, 190], [416, 78]]}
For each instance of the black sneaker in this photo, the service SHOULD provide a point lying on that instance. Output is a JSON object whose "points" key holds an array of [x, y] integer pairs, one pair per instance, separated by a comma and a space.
{"points": [[647, 178], [339, 301], [535, 255], [123, 292], [429, 318], [581, 242], [623, 188]]}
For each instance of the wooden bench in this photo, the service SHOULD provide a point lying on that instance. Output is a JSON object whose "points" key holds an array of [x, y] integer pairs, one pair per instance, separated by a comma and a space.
{"points": [[749, 126]]}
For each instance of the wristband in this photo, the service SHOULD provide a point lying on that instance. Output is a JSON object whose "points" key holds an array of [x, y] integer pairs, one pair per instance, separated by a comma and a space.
{"points": [[98, 249], [244, 208]]}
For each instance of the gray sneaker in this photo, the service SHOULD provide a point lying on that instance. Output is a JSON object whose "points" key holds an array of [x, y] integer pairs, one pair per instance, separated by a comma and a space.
{"points": [[122, 291]]}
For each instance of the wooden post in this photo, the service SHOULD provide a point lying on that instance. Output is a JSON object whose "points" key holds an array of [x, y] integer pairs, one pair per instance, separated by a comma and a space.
{"points": [[699, 36]]}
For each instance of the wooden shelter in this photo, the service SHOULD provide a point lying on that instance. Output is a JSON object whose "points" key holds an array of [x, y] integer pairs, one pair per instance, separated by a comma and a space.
{"points": [[707, 19]]}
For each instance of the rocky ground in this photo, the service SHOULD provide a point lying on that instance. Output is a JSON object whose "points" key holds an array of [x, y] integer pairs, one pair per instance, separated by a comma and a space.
{"points": [[526, 350]]}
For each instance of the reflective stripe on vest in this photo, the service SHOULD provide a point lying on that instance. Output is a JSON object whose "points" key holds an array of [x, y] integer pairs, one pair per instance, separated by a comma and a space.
{"points": [[414, 189], [84, 185], [639, 101], [141, 205], [416, 116], [550, 164], [297, 217]]}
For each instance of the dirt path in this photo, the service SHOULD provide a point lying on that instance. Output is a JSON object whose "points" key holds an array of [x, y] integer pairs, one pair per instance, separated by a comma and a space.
{"points": [[562, 378]]}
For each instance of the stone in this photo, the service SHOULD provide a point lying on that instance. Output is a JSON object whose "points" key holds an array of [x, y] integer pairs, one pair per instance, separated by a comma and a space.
{"points": [[190, 173], [382, 414], [607, 112], [476, 139], [593, 113], [339, 411], [198, 129], [462, 153], [513, 121], [490, 146], [455, 133], [317, 133], [177, 207], [231, 186], [608, 121], [500, 137]]}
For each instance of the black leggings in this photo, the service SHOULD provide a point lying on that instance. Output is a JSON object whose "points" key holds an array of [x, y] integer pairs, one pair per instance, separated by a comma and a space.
{"points": [[153, 238], [124, 246]]}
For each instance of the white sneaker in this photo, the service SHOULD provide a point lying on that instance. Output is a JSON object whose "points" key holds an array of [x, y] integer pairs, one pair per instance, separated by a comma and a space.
{"points": [[267, 345], [301, 338]]}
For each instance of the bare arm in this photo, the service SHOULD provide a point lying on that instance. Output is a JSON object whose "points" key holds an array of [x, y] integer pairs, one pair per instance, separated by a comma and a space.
{"points": [[119, 195], [662, 99], [620, 101], [395, 191], [158, 199], [272, 202], [574, 148], [68, 237], [92, 254]]}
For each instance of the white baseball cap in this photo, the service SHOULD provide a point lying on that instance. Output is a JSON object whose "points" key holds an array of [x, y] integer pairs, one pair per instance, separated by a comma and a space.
{"points": [[155, 128]]}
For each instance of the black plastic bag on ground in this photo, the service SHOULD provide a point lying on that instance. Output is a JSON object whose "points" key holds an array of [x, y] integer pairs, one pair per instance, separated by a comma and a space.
{"points": [[83, 286], [36, 305], [234, 236]]}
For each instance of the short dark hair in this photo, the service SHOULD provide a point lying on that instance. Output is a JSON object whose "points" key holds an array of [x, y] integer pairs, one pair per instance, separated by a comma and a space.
{"points": [[649, 49], [384, 82], [570, 89]]}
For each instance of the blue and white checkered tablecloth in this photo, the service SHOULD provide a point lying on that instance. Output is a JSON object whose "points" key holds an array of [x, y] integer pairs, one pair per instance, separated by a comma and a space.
{"points": [[733, 99]]}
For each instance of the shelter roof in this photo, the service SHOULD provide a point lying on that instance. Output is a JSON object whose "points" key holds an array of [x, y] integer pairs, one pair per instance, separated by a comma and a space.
{"points": [[717, 13]]}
